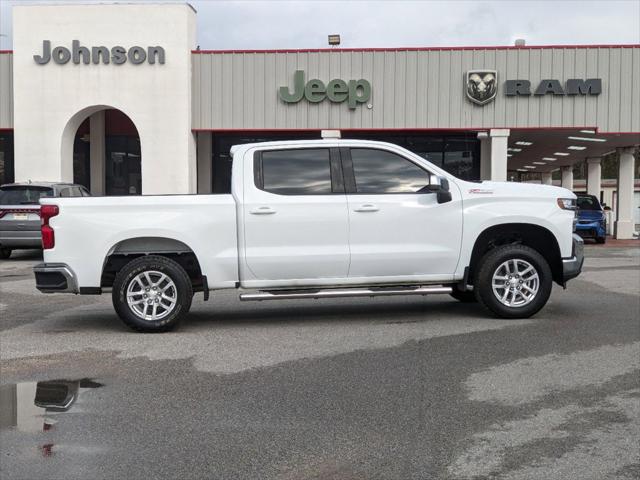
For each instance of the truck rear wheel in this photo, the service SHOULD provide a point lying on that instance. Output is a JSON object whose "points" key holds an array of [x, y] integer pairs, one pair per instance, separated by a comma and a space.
{"points": [[152, 294], [513, 281], [5, 253]]}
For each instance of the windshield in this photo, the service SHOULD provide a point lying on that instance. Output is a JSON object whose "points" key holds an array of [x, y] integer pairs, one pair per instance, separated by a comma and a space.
{"points": [[23, 195], [588, 202]]}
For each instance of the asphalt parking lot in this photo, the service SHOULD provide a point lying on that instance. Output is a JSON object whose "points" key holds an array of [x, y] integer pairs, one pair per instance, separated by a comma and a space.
{"points": [[385, 388]]}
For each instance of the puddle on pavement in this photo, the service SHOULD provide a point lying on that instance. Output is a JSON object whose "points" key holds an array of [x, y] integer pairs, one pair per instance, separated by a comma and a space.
{"points": [[32, 407]]}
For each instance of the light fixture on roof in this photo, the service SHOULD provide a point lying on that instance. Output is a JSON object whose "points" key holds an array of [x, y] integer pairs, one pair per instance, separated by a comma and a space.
{"points": [[576, 147], [549, 159], [522, 142], [514, 149], [587, 139], [539, 163], [334, 40], [330, 134], [561, 154], [588, 131], [522, 170], [509, 155], [529, 166]]}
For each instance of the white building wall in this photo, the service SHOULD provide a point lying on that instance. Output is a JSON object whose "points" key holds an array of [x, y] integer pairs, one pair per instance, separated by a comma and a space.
{"points": [[50, 101]]}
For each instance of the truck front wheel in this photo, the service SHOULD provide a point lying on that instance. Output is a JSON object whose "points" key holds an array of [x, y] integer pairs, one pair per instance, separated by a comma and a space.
{"points": [[152, 294], [513, 281]]}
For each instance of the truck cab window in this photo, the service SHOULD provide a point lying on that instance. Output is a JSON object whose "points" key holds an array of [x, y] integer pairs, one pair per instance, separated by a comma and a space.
{"points": [[295, 172], [380, 171]]}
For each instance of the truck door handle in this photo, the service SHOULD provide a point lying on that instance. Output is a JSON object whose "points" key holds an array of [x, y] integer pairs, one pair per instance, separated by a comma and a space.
{"points": [[262, 211], [367, 207]]}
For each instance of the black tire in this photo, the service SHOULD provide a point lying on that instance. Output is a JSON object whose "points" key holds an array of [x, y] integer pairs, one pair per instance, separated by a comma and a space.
{"points": [[182, 291], [601, 240], [467, 296], [5, 253], [492, 261]]}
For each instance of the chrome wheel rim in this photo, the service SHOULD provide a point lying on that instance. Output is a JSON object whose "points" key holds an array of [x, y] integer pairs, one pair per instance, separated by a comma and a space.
{"points": [[515, 283], [152, 295]]}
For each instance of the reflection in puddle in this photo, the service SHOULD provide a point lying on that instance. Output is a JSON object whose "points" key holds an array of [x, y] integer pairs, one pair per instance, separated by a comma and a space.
{"points": [[33, 406]]}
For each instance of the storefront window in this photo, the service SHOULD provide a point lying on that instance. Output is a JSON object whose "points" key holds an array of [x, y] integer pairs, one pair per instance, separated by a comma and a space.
{"points": [[457, 153], [222, 158], [81, 162], [123, 165], [6, 158]]}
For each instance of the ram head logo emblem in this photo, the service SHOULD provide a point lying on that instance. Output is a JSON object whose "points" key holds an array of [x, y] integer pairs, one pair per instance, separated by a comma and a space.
{"points": [[481, 85]]}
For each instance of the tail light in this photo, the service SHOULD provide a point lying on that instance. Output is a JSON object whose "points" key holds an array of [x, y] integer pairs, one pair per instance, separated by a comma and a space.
{"points": [[48, 236]]}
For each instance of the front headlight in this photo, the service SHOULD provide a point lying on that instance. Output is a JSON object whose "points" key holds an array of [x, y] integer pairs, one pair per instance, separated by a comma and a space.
{"points": [[567, 203]]}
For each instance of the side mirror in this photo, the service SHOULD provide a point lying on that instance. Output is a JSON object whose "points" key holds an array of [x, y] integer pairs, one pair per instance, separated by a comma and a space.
{"points": [[435, 182], [440, 186]]}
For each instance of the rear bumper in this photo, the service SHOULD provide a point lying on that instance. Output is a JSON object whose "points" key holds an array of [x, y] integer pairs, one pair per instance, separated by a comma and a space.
{"points": [[21, 238], [571, 267], [55, 278]]}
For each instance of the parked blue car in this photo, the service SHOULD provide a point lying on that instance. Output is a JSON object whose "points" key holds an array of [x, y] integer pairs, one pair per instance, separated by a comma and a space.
{"points": [[592, 222]]}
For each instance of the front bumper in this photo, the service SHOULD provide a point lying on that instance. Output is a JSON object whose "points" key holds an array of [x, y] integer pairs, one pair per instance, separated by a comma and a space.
{"points": [[591, 229], [55, 278], [571, 267]]}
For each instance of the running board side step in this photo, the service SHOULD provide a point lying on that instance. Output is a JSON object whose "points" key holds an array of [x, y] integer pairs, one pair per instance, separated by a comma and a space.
{"points": [[343, 293]]}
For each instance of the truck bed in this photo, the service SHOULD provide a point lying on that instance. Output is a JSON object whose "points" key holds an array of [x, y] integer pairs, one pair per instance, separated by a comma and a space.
{"points": [[94, 227]]}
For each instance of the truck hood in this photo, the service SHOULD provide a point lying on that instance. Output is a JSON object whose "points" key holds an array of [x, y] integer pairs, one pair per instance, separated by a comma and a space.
{"points": [[514, 189]]}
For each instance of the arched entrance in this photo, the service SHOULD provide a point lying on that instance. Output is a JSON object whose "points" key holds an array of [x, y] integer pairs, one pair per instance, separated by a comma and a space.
{"points": [[106, 152]]}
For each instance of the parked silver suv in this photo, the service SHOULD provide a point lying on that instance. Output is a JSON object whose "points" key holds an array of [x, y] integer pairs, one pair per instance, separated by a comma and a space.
{"points": [[20, 212]]}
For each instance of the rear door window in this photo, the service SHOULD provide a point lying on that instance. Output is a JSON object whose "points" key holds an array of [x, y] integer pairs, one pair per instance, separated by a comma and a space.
{"points": [[294, 172], [23, 194]]}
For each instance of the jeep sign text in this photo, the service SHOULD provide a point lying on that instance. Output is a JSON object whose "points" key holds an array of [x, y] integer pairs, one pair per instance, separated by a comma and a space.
{"points": [[315, 91], [79, 54]]}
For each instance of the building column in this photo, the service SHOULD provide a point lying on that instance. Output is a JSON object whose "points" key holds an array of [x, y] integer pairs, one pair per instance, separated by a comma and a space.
{"points": [[97, 153], [547, 178], [624, 226], [203, 158], [499, 143], [594, 175], [485, 156], [567, 177]]}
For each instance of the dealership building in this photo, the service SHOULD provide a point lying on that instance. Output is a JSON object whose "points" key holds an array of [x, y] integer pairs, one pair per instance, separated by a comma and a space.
{"points": [[120, 98]]}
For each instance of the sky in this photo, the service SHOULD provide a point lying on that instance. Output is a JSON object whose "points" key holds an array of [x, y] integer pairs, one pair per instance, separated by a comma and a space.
{"points": [[263, 24]]}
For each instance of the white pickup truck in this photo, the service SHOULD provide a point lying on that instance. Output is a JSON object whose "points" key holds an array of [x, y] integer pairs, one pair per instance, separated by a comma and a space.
{"points": [[315, 219]]}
